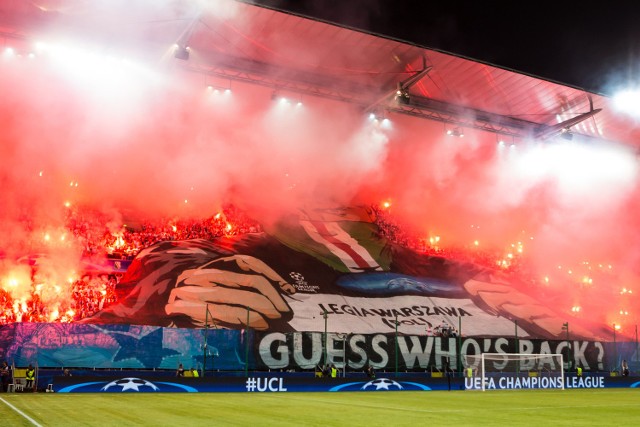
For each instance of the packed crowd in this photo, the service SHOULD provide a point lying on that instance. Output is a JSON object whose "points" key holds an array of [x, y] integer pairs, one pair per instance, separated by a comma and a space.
{"points": [[443, 330], [579, 287], [402, 235], [125, 241], [102, 237], [85, 296]]}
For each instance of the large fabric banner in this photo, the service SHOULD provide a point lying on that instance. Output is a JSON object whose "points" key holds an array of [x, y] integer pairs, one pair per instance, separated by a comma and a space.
{"points": [[329, 263], [320, 287], [120, 346], [425, 353], [414, 314], [152, 347]]}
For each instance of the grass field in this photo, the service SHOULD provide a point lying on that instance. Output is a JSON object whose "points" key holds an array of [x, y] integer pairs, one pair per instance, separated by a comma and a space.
{"points": [[610, 407]]}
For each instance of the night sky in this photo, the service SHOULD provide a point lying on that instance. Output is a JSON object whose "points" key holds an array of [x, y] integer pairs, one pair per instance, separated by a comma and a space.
{"points": [[596, 48]]}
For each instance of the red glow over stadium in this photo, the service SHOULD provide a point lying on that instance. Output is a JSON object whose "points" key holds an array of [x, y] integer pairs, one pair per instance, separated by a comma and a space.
{"points": [[105, 151]]}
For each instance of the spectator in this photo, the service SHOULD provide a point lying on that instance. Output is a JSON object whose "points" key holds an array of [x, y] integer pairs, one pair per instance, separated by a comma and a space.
{"points": [[625, 368], [469, 372], [370, 372], [30, 375], [92, 292], [334, 371], [5, 375], [180, 371], [448, 372], [326, 371]]}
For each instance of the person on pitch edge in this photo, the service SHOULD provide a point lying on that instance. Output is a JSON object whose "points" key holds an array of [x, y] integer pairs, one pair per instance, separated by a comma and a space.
{"points": [[624, 368]]}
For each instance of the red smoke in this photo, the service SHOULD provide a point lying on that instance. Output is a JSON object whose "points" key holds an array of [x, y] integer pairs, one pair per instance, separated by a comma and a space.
{"points": [[147, 140]]}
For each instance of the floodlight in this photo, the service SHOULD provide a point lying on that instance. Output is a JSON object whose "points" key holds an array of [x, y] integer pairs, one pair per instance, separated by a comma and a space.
{"points": [[181, 52], [402, 97], [457, 131]]}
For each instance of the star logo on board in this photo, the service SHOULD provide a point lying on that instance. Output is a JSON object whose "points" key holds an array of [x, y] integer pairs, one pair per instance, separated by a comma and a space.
{"points": [[147, 349], [382, 384], [130, 383]]}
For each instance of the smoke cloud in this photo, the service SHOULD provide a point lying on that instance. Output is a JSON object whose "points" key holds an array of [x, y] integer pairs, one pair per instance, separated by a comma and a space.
{"points": [[127, 136]]}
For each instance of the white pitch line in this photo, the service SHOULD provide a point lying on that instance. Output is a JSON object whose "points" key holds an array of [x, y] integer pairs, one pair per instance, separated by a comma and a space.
{"points": [[27, 417]]}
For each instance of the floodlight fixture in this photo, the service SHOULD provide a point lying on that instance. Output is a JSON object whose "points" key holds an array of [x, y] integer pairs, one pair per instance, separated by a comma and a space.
{"points": [[377, 115], [279, 98], [219, 89], [286, 100], [402, 96], [181, 52], [457, 132], [566, 134]]}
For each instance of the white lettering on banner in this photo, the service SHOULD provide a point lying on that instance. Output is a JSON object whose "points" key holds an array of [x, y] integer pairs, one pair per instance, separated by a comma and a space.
{"points": [[600, 349], [578, 353], [263, 384], [476, 350], [305, 350], [335, 349], [526, 347], [417, 353], [356, 344], [376, 345], [298, 353], [267, 355], [415, 315], [500, 343]]}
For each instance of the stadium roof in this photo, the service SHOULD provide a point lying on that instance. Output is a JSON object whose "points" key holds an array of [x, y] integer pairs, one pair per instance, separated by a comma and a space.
{"points": [[244, 42]]}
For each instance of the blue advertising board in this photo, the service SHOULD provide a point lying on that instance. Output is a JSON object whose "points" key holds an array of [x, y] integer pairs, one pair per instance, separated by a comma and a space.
{"points": [[281, 382], [257, 384]]}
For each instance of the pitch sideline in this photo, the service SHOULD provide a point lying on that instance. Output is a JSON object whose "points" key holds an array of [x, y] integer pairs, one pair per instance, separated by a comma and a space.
{"points": [[27, 417]]}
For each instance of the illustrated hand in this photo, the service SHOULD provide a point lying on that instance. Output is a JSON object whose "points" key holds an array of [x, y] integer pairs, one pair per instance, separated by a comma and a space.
{"points": [[230, 286]]}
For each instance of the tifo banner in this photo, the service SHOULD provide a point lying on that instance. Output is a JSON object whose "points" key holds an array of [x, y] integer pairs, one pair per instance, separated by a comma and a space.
{"points": [[414, 314], [120, 346], [331, 263], [356, 351], [108, 265], [152, 347]]}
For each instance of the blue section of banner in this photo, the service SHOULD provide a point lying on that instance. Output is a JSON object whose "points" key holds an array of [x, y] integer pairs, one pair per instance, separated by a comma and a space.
{"points": [[121, 346], [389, 284]]}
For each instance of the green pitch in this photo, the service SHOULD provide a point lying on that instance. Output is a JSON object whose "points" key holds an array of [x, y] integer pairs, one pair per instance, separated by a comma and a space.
{"points": [[611, 407]]}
